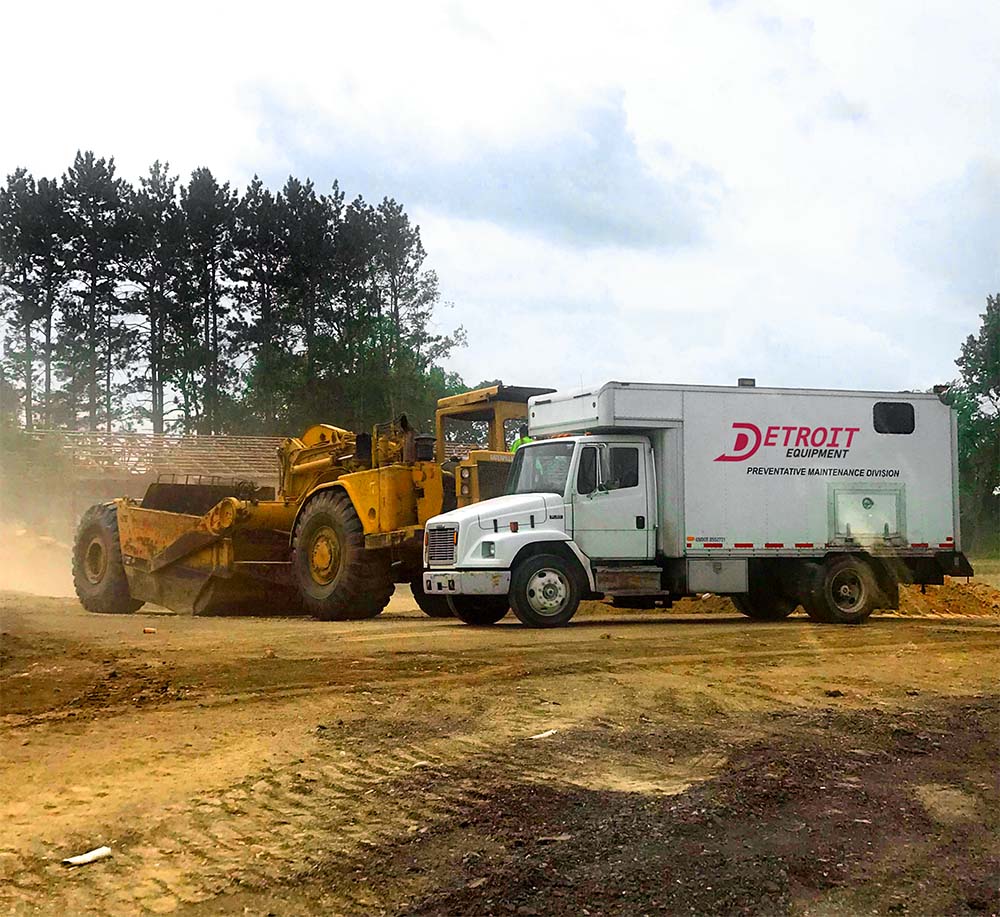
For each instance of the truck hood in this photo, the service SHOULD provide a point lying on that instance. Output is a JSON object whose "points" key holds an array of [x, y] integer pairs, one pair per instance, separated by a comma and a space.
{"points": [[500, 512]]}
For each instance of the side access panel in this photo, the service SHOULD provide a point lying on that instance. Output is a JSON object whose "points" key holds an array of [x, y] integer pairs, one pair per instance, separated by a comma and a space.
{"points": [[725, 576]]}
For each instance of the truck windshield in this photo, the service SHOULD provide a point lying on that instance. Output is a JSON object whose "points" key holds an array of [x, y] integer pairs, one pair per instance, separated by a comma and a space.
{"points": [[541, 468]]}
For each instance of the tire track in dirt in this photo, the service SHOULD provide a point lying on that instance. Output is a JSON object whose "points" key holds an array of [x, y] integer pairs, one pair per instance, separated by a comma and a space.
{"points": [[282, 821], [486, 674], [407, 754]]}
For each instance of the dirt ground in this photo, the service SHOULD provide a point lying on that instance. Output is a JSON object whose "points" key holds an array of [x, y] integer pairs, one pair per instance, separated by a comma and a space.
{"points": [[633, 763]]}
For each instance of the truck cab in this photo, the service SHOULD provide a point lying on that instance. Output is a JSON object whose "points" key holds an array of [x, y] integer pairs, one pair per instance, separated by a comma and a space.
{"points": [[585, 503]]}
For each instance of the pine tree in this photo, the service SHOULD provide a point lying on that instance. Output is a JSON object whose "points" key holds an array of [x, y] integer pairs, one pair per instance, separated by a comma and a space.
{"points": [[50, 255], [209, 212], [260, 259], [155, 266], [95, 339], [19, 276], [307, 282]]}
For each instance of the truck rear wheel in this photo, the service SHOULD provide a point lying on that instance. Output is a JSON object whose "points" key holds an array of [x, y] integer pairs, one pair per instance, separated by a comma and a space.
{"points": [[545, 591], [337, 578], [844, 591], [434, 606], [98, 571], [479, 610]]}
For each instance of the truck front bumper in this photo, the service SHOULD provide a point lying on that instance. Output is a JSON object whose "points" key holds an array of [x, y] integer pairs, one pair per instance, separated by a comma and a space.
{"points": [[466, 582]]}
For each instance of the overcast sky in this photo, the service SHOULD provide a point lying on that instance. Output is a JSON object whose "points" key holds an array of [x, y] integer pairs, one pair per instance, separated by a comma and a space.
{"points": [[677, 192]]}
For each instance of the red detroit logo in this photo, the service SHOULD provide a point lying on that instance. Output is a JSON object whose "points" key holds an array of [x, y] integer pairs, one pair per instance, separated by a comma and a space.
{"points": [[749, 439]]}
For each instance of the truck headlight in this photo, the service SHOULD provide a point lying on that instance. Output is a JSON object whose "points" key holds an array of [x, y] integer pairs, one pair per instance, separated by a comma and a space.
{"points": [[465, 490], [489, 549], [466, 473]]}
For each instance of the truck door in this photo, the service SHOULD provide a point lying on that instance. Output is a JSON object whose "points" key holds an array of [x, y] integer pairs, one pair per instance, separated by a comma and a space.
{"points": [[610, 502]]}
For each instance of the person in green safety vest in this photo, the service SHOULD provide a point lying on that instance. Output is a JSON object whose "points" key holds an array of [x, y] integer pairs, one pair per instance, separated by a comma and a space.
{"points": [[522, 438]]}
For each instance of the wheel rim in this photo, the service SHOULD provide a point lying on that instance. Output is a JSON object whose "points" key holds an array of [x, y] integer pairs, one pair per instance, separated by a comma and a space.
{"points": [[848, 591], [324, 556], [548, 592], [95, 561]]}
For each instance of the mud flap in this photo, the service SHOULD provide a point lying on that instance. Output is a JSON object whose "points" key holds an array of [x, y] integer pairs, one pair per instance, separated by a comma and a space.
{"points": [[954, 563]]}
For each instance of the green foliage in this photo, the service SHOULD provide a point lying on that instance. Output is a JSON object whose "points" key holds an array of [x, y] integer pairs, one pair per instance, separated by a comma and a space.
{"points": [[192, 307], [95, 338], [976, 400]]}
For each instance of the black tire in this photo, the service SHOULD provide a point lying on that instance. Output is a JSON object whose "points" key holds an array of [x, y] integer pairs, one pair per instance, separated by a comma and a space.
{"points": [[434, 606], [545, 591], [479, 610], [844, 591], [98, 571], [337, 578], [764, 607]]}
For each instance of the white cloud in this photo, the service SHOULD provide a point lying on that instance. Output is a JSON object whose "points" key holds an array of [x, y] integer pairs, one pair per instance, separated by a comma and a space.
{"points": [[825, 152]]}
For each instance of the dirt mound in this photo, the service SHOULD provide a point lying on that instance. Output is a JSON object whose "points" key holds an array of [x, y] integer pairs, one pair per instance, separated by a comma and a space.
{"points": [[955, 597]]}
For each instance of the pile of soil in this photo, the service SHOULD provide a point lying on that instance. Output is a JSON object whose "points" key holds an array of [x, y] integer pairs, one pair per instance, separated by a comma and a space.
{"points": [[955, 597]]}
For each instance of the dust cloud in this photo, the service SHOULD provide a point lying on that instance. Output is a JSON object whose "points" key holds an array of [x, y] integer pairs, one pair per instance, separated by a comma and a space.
{"points": [[39, 564]]}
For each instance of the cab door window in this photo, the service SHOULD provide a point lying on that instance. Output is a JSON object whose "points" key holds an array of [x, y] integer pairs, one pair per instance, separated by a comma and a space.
{"points": [[623, 468], [586, 475]]}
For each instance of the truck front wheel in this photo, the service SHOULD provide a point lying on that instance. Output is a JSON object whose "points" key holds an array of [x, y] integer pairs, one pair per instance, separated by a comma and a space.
{"points": [[545, 591], [844, 591], [479, 610]]}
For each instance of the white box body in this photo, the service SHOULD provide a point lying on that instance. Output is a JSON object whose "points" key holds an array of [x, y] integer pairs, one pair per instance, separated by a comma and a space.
{"points": [[745, 471]]}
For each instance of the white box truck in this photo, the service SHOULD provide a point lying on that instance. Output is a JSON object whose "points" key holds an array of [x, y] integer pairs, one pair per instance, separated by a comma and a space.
{"points": [[646, 493]]}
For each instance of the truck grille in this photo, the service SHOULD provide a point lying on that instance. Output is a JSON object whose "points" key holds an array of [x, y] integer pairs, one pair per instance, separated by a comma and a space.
{"points": [[441, 545]]}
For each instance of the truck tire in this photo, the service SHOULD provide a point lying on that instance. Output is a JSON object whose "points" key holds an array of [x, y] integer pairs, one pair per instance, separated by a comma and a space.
{"points": [[434, 606], [479, 610], [762, 607], [98, 571], [545, 591], [337, 578], [844, 591]]}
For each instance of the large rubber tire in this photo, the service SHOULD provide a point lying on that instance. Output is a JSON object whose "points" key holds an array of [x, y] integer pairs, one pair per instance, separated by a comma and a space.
{"points": [[764, 607], [844, 591], [434, 606], [98, 572], [479, 610], [545, 591], [337, 578]]}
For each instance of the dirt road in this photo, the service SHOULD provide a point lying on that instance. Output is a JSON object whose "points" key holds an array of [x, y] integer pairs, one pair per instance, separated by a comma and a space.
{"points": [[628, 764]]}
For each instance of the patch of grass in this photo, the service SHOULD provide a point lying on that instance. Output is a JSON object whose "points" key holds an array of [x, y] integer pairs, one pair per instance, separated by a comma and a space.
{"points": [[987, 569]]}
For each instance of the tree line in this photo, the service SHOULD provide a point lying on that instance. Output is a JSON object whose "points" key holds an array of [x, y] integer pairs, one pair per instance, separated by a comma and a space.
{"points": [[195, 308]]}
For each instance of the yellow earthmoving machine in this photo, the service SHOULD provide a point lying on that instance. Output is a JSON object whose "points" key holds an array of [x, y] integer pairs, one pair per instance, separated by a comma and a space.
{"points": [[343, 526]]}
